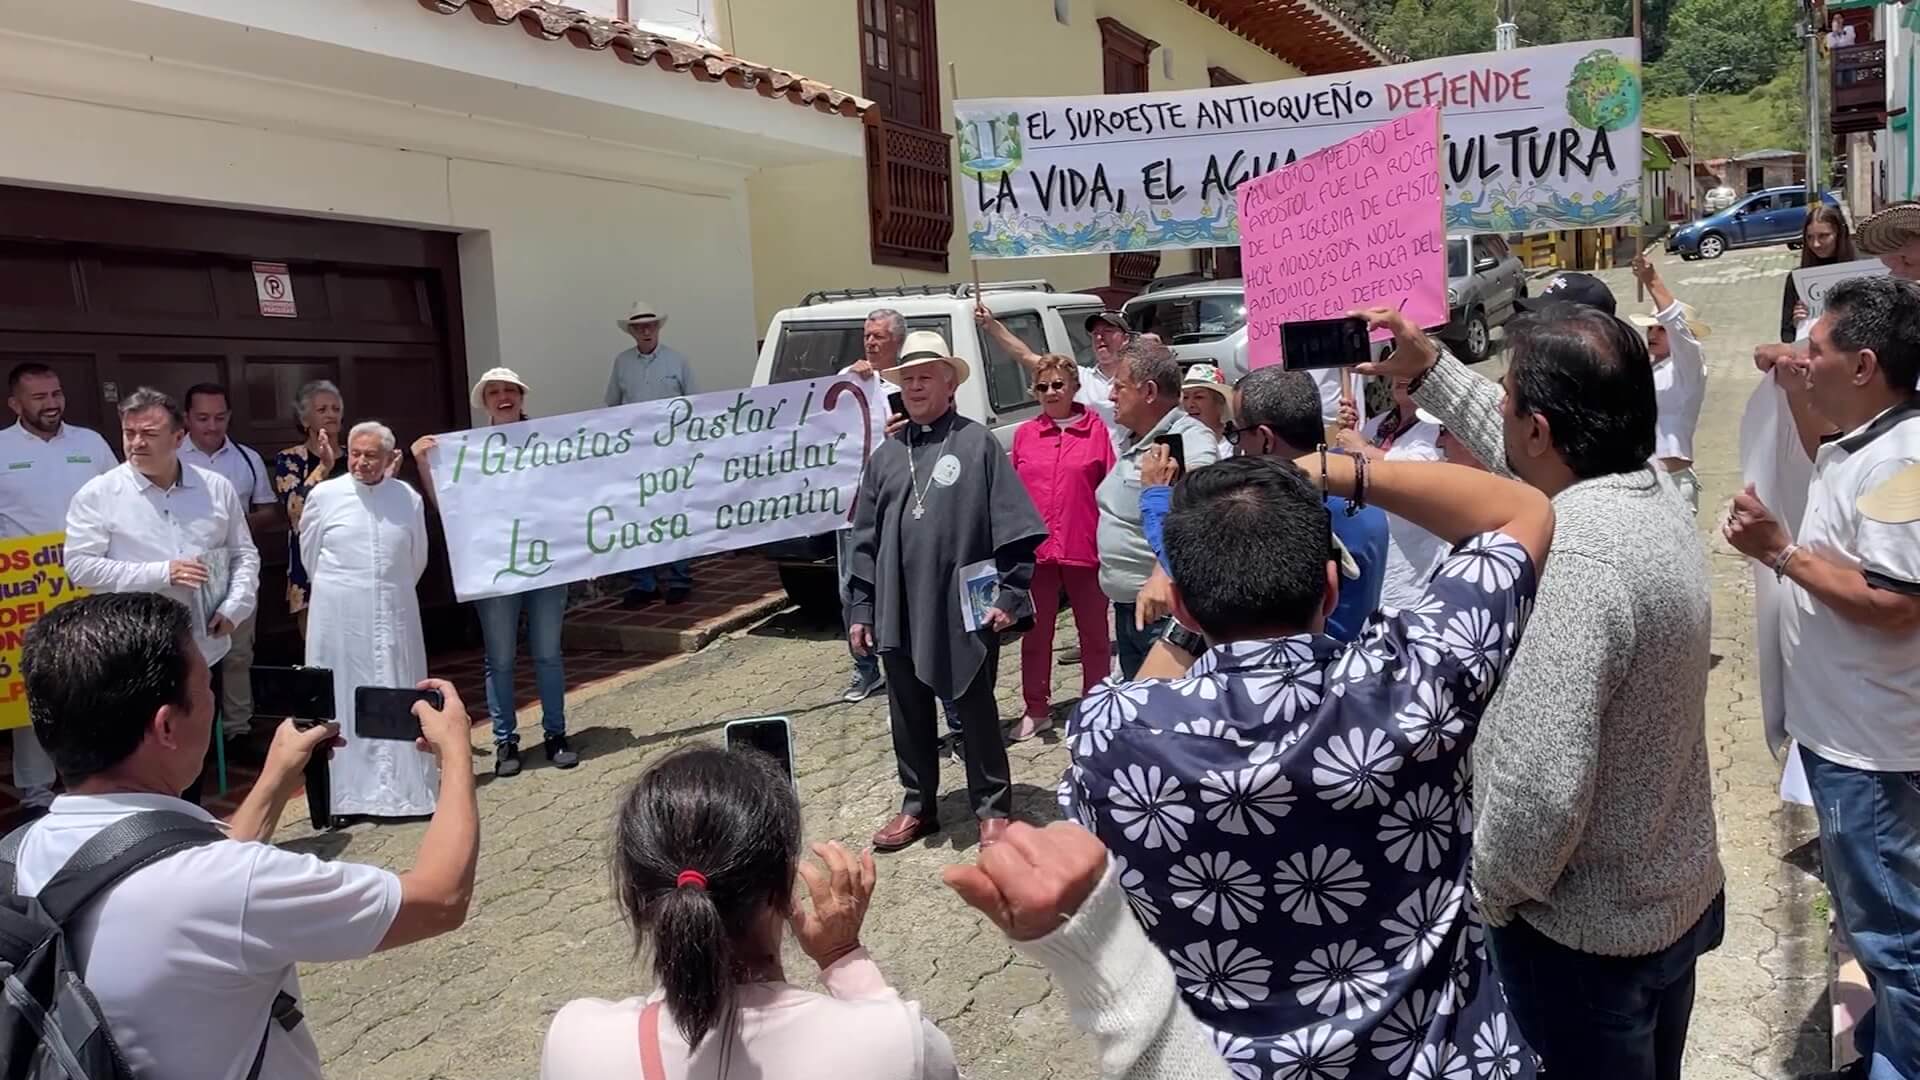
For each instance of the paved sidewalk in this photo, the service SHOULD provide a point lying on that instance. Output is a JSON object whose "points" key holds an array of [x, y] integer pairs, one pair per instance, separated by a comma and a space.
{"points": [[474, 1005]]}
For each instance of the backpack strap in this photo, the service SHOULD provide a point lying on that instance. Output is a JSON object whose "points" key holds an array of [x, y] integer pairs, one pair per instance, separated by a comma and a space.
{"points": [[10, 857], [118, 850], [286, 1013]]}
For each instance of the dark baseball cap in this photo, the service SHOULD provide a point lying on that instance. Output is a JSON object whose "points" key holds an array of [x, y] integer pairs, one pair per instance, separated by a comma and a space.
{"points": [[1572, 289], [1112, 318]]}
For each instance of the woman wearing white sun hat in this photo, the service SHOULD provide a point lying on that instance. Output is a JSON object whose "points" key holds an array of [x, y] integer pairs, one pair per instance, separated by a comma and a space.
{"points": [[1205, 396], [499, 397]]}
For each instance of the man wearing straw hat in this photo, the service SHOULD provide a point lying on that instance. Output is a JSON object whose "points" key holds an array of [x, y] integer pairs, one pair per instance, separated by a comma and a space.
{"points": [[651, 371], [1849, 626], [944, 537], [1679, 377], [1893, 235]]}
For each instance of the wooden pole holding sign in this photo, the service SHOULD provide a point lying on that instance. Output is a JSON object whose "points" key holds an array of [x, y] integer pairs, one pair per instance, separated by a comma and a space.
{"points": [[953, 88], [1649, 231]]}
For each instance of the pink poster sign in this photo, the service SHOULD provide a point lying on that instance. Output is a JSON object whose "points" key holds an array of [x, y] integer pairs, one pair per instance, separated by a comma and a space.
{"points": [[1357, 225]]}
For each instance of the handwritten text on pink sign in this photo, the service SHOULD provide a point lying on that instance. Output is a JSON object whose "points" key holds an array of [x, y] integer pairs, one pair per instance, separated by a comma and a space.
{"points": [[1357, 225]]}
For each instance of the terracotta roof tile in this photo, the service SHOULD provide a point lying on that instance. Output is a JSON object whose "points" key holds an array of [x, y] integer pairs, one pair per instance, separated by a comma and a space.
{"points": [[552, 22], [1319, 37]]}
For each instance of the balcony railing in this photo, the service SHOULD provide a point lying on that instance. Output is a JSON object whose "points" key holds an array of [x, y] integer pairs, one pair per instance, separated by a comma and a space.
{"points": [[1859, 87], [909, 195]]}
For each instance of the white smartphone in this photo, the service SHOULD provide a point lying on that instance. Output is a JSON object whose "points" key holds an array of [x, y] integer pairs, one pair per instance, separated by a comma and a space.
{"points": [[770, 735]]}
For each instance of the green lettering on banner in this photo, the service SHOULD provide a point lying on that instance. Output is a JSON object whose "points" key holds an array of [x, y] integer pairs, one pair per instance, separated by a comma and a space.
{"points": [[538, 554]]}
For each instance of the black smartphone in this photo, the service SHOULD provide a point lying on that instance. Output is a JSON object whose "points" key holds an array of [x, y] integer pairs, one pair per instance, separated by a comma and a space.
{"points": [[1176, 446], [380, 712], [1324, 343], [896, 405], [301, 693], [770, 735]]}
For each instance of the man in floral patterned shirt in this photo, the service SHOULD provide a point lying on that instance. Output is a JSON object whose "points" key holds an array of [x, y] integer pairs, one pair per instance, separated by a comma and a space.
{"points": [[1291, 818]]}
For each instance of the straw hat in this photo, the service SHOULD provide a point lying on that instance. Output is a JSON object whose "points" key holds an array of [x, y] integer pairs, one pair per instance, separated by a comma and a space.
{"points": [[1700, 330], [1897, 500], [924, 347], [499, 374], [642, 312], [1207, 377], [1889, 230]]}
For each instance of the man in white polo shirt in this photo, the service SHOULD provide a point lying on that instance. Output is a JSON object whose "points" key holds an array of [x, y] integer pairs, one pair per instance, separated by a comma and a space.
{"points": [[1850, 631], [208, 446], [43, 461], [190, 955]]}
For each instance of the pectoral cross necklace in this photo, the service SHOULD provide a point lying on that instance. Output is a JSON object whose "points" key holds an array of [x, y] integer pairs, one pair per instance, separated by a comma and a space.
{"points": [[913, 481]]}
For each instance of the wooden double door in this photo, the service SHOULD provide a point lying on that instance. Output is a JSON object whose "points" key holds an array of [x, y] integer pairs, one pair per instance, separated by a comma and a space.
{"points": [[117, 294]]}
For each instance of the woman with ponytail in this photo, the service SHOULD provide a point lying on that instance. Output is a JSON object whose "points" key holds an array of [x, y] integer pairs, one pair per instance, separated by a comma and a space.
{"points": [[706, 850]]}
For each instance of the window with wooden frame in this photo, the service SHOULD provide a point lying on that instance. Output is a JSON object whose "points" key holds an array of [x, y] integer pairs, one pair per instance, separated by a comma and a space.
{"points": [[1124, 54], [909, 171]]}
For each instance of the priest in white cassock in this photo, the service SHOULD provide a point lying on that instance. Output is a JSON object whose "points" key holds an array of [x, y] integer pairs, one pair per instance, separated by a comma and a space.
{"points": [[364, 539]]}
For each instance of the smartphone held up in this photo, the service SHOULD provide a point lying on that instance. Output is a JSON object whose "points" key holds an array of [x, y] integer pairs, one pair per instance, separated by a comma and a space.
{"points": [[769, 735], [1311, 344]]}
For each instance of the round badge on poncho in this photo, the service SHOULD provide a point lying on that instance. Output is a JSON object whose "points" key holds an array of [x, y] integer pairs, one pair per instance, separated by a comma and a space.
{"points": [[946, 470]]}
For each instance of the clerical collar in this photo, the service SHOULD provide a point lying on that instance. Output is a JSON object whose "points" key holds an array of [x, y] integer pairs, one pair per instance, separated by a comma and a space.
{"points": [[940, 425]]}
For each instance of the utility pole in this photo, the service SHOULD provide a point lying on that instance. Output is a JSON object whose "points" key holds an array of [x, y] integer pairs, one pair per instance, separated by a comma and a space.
{"points": [[1506, 33], [1812, 42]]}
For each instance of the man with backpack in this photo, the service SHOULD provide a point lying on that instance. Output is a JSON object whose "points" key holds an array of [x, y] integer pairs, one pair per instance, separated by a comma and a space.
{"points": [[186, 931]]}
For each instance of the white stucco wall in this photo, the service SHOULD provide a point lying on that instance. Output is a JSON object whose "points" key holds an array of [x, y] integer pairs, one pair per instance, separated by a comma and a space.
{"points": [[559, 233]]}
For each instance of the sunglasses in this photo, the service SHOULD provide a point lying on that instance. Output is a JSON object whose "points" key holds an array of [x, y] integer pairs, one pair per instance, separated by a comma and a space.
{"points": [[1043, 387]]}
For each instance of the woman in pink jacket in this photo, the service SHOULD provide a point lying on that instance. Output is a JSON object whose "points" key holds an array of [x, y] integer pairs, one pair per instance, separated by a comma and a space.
{"points": [[1062, 455]]}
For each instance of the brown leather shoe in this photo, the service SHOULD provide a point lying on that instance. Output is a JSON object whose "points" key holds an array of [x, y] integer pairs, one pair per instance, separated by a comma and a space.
{"points": [[902, 831], [992, 831]]}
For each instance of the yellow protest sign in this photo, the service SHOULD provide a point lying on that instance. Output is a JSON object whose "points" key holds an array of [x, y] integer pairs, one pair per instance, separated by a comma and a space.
{"points": [[33, 581]]}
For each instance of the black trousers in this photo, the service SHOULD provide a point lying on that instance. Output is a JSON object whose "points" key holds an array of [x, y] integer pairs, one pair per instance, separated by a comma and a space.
{"points": [[1593, 1017], [915, 711], [199, 789]]}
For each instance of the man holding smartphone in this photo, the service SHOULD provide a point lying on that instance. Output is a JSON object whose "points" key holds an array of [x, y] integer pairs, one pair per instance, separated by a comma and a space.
{"points": [[192, 957]]}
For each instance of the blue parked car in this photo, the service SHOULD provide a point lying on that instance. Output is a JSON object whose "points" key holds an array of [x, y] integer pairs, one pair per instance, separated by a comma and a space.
{"points": [[1773, 216]]}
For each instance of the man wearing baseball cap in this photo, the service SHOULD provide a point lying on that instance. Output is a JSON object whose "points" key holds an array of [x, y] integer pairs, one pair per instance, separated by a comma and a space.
{"points": [[651, 371], [1849, 626], [1109, 332], [1571, 288]]}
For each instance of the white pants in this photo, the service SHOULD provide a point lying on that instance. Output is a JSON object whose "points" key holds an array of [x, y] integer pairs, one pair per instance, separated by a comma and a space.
{"points": [[33, 772], [1686, 483], [236, 679]]}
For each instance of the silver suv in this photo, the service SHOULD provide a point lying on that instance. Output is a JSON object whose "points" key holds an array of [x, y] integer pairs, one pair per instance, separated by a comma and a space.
{"points": [[1484, 278]]}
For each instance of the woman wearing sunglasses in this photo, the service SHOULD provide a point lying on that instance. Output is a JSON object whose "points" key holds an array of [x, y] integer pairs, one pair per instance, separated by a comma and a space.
{"points": [[1061, 456]]}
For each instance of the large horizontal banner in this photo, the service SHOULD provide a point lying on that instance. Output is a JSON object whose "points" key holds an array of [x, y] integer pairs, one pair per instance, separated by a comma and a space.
{"points": [[1536, 139], [33, 581], [560, 499]]}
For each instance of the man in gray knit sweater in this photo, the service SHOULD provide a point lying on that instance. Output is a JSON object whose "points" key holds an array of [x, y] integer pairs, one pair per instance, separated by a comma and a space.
{"points": [[1595, 858]]}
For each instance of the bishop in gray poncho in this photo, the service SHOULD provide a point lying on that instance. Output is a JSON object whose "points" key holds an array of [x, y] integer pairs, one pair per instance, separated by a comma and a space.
{"points": [[939, 498]]}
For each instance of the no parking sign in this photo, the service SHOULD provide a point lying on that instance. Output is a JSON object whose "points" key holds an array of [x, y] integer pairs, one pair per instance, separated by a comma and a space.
{"points": [[273, 285]]}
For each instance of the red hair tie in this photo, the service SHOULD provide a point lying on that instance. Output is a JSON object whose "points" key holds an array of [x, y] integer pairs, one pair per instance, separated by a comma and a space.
{"points": [[691, 877]]}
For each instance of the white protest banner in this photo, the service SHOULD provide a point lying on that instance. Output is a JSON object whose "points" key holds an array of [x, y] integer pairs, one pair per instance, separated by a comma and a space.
{"points": [[1815, 282], [1356, 225], [548, 501], [1536, 139]]}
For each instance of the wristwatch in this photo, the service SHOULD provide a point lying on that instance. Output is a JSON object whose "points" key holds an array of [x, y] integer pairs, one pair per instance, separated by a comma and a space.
{"points": [[1187, 641]]}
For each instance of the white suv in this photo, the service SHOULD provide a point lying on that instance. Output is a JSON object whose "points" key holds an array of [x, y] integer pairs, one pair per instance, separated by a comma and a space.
{"points": [[1205, 322], [823, 335]]}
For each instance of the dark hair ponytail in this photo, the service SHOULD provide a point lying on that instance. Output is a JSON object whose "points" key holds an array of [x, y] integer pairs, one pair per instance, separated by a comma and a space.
{"points": [[733, 820]]}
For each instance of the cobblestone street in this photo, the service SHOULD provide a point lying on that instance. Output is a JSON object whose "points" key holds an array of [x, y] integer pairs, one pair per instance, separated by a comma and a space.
{"points": [[474, 1005]]}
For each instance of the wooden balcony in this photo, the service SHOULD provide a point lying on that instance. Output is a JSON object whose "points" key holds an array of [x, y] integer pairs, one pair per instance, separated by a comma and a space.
{"points": [[909, 195], [1859, 88]]}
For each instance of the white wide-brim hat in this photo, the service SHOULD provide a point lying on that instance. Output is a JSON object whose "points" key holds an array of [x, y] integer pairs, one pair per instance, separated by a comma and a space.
{"points": [[642, 312], [924, 347], [499, 374], [1700, 330], [1207, 377]]}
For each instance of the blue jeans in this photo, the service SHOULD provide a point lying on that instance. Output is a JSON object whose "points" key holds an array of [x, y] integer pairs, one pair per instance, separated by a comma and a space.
{"points": [[1870, 855], [676, 575], [500, 628], [1131, 646], [1593, 1017]]}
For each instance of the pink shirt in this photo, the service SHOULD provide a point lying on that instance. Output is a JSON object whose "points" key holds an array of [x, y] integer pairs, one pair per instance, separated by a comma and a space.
{"points": [[1062, 466], [862, 1031]]}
